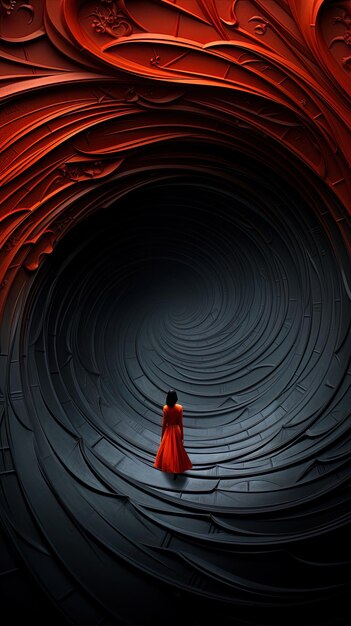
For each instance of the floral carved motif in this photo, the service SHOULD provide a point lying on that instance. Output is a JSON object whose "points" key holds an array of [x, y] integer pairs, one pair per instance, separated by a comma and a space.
{"points": [[81, 171], [261, 25], [111, 19], [344, 18], [9, 6], [155, 60]]}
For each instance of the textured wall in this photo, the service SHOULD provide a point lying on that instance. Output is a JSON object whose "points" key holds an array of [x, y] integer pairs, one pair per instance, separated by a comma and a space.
{"points": [[175, 201]]}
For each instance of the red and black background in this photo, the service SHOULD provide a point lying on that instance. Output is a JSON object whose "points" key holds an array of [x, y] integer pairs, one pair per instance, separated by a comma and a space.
{"points": [[175, 199]]}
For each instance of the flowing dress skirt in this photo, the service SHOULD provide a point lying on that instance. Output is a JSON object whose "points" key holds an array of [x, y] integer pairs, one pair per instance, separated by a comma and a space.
{"points": [[171, 455]]}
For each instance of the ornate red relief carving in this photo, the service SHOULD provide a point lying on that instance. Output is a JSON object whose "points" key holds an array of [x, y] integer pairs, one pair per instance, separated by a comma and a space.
{"points": [[20, 21], [7, 6], [40, 246], [79, 171], [345, 38], [112, 19], [86, 83], [261, 24]]}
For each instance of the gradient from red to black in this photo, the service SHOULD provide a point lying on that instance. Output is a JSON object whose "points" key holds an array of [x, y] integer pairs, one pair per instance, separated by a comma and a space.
{"points": [[175, 200]]}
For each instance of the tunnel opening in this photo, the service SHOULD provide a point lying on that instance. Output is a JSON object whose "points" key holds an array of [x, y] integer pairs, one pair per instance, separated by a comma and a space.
{"points": [[230, 284], [226, 293]]}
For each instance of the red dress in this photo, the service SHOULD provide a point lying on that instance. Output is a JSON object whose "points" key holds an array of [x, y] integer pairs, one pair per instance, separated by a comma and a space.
{"points": [[171, 455]]}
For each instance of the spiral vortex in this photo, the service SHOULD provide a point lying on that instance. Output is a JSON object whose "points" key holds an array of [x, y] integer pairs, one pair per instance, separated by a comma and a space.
{"points": [[236, 296], [231, 303], [175, 200]]}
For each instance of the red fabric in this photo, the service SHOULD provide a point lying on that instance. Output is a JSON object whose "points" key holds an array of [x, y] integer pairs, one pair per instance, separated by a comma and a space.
{"points": [[171, 455]]}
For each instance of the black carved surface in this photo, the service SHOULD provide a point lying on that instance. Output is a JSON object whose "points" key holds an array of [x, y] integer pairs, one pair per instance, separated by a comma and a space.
{"points": [[231, 286]]}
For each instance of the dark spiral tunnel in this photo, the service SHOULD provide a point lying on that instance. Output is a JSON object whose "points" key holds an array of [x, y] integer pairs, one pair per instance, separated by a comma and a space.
{"points": [[231, 286]]}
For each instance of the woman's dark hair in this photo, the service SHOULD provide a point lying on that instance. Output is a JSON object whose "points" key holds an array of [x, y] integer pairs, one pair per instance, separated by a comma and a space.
{"points": [[171, 398]]}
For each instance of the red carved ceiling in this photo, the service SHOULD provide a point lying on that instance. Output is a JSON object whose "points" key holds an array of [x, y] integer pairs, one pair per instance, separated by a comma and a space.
{"points": [[86, 84]]}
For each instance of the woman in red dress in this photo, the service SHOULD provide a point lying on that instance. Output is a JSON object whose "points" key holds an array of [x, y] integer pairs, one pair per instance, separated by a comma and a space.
{"points": [[171, 455]]}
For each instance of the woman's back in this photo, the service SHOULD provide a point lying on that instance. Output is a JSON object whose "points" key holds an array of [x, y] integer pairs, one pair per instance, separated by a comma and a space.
{"points": [[173, 413]]}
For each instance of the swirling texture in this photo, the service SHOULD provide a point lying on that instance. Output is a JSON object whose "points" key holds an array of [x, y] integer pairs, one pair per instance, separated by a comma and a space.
{"points": [[175, 186]]}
